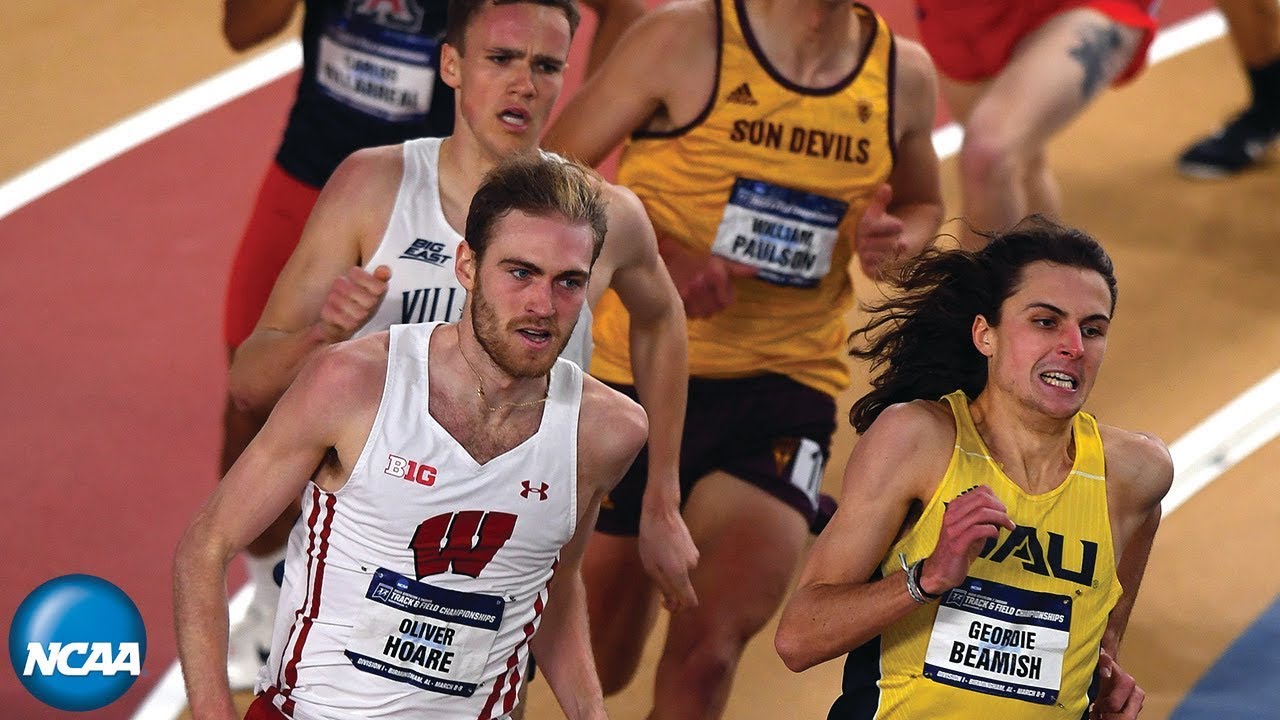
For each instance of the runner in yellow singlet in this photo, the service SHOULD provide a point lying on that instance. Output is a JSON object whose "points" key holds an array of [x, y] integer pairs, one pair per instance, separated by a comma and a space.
{"points": [[991, 535]]}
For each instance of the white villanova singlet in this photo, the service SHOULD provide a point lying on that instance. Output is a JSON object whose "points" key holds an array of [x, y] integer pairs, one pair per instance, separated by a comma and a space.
{"points": [[419, 245], [414, 589]]}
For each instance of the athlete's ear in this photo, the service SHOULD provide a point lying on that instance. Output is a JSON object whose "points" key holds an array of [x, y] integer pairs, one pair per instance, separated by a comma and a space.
{"points": [[450, 65], [983, 336], [466, 266]]}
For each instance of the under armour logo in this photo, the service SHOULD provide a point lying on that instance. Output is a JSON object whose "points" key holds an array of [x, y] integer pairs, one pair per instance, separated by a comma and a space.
{"points": [[541, 491]]}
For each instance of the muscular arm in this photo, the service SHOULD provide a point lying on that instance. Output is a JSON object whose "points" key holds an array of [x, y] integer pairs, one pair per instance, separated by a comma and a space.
{"points": [[1139, 473], [246, 23], [313, 417], [613, 17], [837, 606], [319, 299], [632, 86], [563, 642], [917, 191], [902, 217], [917, 188], [1141, 470], [660, 366]]}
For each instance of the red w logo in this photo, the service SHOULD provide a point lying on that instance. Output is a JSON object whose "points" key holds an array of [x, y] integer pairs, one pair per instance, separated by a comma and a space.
{"points": [[541, 491], [462, 542]]}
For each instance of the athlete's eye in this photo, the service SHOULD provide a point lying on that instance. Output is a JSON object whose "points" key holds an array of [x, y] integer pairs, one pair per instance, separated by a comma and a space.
{"points": [[520, 273], [549, 68], [1092, 331]]}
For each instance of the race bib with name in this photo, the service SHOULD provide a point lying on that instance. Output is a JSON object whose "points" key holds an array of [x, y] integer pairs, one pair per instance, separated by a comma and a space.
{"points": [[391, 78], [788, 235], [430, 637], [1000, 640]]}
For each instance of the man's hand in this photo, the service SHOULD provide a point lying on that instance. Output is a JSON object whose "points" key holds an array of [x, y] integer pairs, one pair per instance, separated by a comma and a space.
{"points": [[352, 300], [971, 518], [880, 243], [1119, 697], [668, 555], [704, 281]]}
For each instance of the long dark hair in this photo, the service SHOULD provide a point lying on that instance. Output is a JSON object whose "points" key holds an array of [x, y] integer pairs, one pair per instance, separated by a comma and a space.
{"points": [[920, 342]]}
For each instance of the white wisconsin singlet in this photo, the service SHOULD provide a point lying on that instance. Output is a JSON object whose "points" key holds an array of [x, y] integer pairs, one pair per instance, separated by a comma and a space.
{"points": [[414, 589], [419, 247]]}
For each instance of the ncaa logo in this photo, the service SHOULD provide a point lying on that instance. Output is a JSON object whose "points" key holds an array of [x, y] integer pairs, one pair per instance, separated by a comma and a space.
{"points": [[77, 643]]}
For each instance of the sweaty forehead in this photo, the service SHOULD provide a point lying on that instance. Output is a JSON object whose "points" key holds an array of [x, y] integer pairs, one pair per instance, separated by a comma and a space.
{"points": [[1078, 291], [540, 28]]}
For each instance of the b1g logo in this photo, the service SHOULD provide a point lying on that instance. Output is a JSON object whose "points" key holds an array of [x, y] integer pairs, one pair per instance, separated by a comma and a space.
{"points": [[77, 643]]}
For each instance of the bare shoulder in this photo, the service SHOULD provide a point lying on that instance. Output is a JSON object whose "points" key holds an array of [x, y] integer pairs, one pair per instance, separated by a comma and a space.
{"points": [[911, 440], [925, 424], [367, 172], [915, 76], [627, 216], [682, 20], [348, 370], [611, 430], [1138, 464], [672, 32]]}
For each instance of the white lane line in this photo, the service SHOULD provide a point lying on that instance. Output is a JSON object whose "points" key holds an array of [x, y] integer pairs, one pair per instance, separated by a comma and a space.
{"points": [[156, 120], [1224, 439], [1187, 35], [1200, 456]]}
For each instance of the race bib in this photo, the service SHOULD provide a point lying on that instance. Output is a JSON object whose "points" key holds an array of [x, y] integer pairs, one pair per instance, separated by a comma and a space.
{"points": [[1000, 640], [430, 637], [390, 81], [789, 236], [807, 463]]}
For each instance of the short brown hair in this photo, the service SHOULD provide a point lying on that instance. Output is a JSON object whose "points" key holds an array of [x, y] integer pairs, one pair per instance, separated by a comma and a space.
{"points": [[462, 11], [540, 185]]}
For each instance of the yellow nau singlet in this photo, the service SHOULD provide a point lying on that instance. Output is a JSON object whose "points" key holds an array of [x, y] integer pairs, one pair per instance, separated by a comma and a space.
{"points": [[772, 175], [1020, 636]]}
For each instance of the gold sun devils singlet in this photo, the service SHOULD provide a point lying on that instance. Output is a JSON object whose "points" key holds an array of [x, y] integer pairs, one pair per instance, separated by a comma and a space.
{"points": [[775, 176], [1019, 637]]}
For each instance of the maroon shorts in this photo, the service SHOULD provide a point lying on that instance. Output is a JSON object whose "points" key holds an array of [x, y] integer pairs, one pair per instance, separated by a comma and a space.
{"points": [[972, 40], [768, 430], [262, 709], [282, 208]]}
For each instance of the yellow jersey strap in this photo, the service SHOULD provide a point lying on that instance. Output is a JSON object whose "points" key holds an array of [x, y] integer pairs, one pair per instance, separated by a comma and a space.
{"points": [[1090, 461]]}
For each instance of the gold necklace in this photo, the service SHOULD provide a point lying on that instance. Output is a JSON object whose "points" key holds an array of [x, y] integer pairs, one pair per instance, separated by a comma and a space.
{"points": [[484, 399]]}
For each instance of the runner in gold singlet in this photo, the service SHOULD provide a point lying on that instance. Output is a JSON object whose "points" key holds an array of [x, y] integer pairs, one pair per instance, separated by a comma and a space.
{"points": [[772, 141], [991, 535]]}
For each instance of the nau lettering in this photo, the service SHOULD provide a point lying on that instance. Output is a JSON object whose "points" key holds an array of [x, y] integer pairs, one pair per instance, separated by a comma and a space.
{"points": [[810, 142], [1024, 544]]}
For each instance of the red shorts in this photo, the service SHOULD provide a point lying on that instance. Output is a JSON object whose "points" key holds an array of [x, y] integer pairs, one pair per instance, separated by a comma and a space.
{"points": [[972, 41], [262, 709], [275, 225]]}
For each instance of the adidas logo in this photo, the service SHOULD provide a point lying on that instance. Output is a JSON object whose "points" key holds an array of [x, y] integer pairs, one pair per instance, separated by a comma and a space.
{"points": [[741, 95]]}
